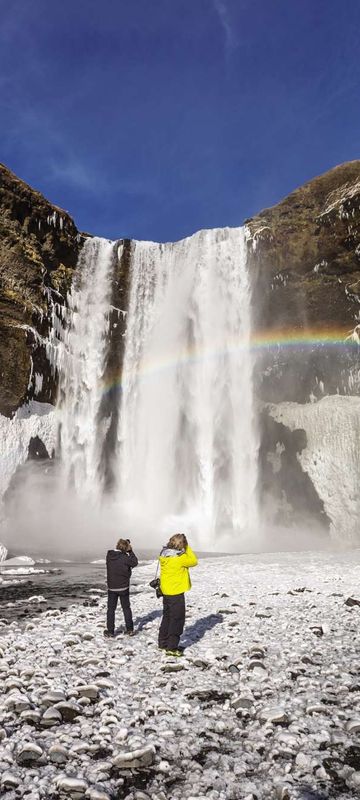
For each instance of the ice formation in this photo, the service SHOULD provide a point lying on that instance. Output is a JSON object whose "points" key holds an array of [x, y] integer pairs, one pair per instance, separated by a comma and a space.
{"points": [[331, 457], [33, 419]]}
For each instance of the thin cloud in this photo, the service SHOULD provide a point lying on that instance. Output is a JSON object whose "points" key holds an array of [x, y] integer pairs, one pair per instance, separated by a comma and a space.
{"points": [[230, 40], [72, 172]]}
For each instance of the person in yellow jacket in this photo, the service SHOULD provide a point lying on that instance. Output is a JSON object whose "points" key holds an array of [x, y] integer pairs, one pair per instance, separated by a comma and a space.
{"points": [[175, 560]]}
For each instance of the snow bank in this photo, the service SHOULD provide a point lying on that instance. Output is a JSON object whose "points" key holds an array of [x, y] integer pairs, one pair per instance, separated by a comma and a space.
{"points": [[331, 457], [263, 705], [34, 419]]}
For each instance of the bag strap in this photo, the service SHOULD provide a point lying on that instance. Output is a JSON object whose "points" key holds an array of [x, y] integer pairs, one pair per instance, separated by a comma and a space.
{"points": [[157, 569]]}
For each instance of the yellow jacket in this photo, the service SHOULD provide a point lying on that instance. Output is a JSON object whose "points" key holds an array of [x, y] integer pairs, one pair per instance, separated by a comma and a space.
{"points": [[174, 572]]}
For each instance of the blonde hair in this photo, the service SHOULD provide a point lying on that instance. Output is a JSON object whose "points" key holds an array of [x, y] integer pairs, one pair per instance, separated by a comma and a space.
{"points": [[122, 545], [178, 542]]}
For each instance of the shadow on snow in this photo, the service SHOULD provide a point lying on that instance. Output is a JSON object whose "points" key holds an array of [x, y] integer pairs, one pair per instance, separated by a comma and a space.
{"points": [[196, 631]]}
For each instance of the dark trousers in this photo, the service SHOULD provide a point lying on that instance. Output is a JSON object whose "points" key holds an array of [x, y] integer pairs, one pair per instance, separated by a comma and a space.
{"points": [[173, 621], [125, 605]]}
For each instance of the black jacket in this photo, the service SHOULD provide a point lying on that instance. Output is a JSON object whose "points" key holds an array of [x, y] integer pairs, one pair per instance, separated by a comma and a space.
{"points": [[118, 568]]}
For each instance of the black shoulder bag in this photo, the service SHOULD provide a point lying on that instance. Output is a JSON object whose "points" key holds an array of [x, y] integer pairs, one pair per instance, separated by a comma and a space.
{"points": [[155, 583]]}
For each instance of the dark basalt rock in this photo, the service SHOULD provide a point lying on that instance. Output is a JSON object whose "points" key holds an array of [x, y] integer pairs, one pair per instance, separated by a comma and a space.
{"points": [[109, 408], [39, 245], [305, 257]]}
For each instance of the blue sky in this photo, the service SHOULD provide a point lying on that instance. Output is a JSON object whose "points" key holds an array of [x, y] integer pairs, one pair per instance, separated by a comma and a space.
{"points": [[151, 119]]}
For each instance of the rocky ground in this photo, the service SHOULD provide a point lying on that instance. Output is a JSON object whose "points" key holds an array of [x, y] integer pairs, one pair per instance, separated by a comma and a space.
{"points": [[264, 703]]}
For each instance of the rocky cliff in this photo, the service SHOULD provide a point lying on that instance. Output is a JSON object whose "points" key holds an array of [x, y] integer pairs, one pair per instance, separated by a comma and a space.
{"points": [[305, 255], [39, 245]]}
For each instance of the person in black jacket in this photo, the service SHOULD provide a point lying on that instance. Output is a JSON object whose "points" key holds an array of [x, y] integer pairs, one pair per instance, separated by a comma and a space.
{"points": [[119, 563]]}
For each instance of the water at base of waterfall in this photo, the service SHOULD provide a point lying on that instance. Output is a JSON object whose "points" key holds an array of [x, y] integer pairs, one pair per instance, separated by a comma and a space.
{"points": [[187, 438]]}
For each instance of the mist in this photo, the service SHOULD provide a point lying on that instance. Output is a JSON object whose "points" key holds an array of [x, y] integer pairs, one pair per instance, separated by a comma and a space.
{"points": [[45, 519]]}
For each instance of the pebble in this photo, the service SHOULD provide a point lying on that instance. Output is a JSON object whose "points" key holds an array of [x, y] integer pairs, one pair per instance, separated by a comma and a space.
{"points": [[9, 780], [50, 698], [29, 753], [135, 758], [68, 710], [242, 702], [96, 794], [90, 690], [58, 754], [73, 786], [51, 717], [176, 666], [277, 715]]}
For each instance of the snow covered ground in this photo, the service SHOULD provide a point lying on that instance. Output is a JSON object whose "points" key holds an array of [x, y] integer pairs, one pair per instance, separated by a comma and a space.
{"points": [[264, 704]]}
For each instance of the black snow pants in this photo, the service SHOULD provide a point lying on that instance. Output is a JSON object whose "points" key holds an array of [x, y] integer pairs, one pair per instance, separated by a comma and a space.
{"points": [[173, 621], [125, 605]]}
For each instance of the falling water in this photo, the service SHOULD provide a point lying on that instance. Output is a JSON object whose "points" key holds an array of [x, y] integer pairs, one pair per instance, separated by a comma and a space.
{"points": [[188, 447], [80, 359]]}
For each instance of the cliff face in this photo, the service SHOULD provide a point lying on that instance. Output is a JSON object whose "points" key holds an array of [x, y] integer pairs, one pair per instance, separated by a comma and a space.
{"points": [[39, 245], [305, 255]]}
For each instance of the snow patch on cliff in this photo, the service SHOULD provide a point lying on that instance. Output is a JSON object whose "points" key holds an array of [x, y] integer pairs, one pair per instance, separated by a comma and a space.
{"points": [[331, 457]]}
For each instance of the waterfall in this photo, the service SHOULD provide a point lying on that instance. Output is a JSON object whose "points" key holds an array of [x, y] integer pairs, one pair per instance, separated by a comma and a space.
{"points": [[188, 446], [80, 354]]}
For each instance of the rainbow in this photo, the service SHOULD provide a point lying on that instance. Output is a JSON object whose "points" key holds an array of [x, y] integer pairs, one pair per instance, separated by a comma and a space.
{"points": [[261, 342]]}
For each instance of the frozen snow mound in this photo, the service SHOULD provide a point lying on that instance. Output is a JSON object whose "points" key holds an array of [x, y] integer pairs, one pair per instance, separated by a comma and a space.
{"points": [[331, 457], [31, 420], [17, 561]]}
